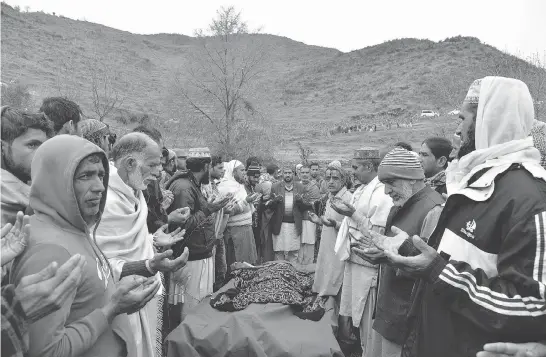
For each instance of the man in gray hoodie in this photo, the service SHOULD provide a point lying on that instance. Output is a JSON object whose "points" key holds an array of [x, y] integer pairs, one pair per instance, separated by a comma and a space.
{"points": [[69, 176]]}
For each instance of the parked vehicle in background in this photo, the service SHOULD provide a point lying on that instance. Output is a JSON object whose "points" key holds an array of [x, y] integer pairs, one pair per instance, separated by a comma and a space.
{"points": [[429, 114], [454, 112]]}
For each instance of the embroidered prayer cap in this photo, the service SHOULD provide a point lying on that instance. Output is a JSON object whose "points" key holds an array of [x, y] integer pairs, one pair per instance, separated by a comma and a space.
{"points": [[93, 130], [366, 153], [253, 170], [473, 94], [400, 164], [181, 153], [199, 153], [172, 155]]}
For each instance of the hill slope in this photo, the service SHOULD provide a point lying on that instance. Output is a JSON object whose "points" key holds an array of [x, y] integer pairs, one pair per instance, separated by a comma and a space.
{"points": [[304, 90]]}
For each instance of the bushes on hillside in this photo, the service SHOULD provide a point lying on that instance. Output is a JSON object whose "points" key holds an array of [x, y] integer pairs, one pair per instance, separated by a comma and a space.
{"points": [[142, 119], [16, 95]]}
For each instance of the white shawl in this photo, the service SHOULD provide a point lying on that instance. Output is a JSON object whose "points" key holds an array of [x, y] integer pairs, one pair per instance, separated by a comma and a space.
{"points": [[229, 185], [122, 235]]}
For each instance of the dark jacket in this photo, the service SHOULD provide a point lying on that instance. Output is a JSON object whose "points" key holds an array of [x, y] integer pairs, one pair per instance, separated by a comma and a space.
{"points": [[278, 208], [157, 216], [394, 289], [200, 236], [487, 284]]}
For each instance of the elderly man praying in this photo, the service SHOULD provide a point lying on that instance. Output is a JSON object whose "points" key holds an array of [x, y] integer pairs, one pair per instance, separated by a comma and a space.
{"points": [[238, 236], [482, 276], [123, 233], [416, 209]]}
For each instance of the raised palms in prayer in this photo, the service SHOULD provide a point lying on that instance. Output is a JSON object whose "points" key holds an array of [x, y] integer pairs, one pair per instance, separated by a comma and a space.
{"points": [[390, 244], [253, 197], [165, 240], [14, 238], [328, 222], [315, 219], [341, 207]]}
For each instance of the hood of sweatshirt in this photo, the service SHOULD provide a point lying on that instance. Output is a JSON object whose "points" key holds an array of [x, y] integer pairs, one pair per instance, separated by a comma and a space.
{"points": [[53, 169]]}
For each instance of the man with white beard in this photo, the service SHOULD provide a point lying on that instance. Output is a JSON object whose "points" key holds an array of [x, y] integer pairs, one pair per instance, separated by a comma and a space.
{"points": [[123, 232], [481, 275], [416, 209]]}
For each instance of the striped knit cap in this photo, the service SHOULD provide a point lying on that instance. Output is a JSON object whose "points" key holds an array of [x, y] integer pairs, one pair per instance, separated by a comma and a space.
{"points": [[400, 164]]}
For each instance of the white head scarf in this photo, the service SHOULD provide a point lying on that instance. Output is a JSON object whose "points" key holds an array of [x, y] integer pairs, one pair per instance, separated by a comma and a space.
{"points": [[505, 112], [228, 184], [504, 120]]}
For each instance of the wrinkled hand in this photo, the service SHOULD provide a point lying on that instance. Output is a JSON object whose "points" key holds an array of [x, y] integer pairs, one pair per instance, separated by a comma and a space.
{"points": [[503, 349], [343, 208], [414, 264], [252, 197], [277, 198], [315, 219], [14, 238], [163, 262], [46, 291], [229, 208], [328, 222], [391, 244], [168, 198], [373, 255], [179, 216], [162, 239], [132, 294], [219, 203]]}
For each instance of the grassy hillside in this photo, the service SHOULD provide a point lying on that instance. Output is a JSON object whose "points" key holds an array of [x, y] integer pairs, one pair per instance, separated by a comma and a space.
{"points": [[302, 90]]}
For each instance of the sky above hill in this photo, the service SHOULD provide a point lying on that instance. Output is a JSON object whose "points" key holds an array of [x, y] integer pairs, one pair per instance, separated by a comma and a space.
{"points": [[514, 26]]}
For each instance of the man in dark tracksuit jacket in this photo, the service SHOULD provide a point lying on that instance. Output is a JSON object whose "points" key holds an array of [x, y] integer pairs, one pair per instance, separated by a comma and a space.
{"points": [[483, 277], [487, 284]]}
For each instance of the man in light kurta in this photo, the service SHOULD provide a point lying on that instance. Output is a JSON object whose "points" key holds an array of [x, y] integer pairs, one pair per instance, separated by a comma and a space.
{"points": [[369, 209], [329, 270]]}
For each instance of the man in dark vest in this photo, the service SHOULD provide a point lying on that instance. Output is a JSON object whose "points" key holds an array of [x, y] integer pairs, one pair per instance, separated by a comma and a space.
{"points": [[416, 210], [286, 221]]}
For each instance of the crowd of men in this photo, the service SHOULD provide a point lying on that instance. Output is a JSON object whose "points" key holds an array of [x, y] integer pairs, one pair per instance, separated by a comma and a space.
{"points": [[108, 244]]}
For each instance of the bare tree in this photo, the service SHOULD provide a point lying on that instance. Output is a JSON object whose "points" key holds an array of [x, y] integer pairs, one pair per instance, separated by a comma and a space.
{"points": [[17, 94], [450, 90], [66, 82], [304, 152], [105, 95], [219, 84]]}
